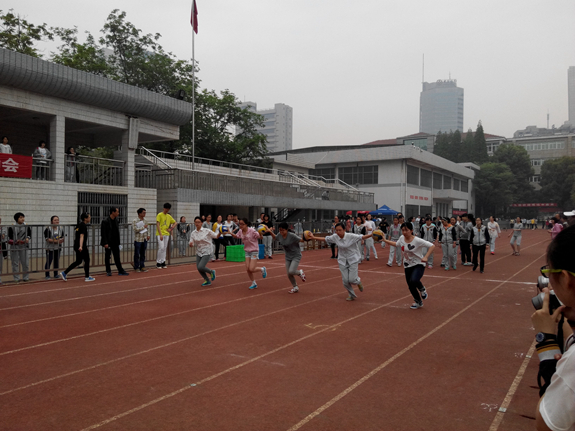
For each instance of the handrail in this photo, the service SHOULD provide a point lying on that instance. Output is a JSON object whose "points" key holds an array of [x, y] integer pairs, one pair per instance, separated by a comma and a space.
{"points": [[145, 150], [123, 162]]}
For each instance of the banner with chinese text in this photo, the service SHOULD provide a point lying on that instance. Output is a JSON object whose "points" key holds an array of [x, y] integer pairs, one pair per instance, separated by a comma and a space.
{"points": [[13, 165]]}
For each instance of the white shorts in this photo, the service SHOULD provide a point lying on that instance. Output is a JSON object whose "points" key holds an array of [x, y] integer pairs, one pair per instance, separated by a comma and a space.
{"points": [[516, 239], [252, 254]]}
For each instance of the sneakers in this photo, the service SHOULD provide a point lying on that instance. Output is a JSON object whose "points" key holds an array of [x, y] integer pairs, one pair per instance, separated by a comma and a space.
{"points": [[350, 298], [481, 271], [302, 275], [164, 266], [367, 259], [442, 265], [56, 276], [264, 272], [213, 274], [447, 268], [399, 264], [206, 283], [467, 264], [64, 276], [138, 270], [492, 252], [454, 266], [253, 286], [269, 257], [360, 285], [429, 266], [390, 265], [89, 279], [474, 267], [158, 266], [294, 290], [109, 274], [375, 257], [424, 294], [123, 273], [48, 278], [416, 305], [143, 270]]}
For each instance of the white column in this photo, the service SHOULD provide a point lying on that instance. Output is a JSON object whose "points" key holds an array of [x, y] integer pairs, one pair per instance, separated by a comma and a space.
{"points": [[58, 147], [128, 151]]}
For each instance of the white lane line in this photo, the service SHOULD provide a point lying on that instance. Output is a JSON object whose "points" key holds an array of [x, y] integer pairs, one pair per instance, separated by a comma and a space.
{"points": [[512, 389], [397, 355]]}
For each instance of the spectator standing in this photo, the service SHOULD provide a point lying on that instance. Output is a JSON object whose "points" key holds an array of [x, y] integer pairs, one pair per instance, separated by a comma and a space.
{"points": [[383, 226], [141, 238], [5, 148], [494, 232], [393, 235], [369, 243], [479, 238], [227, 237], [110, 240], [70, 168], [464, 230], [218, 241], [54, 237], [183, 231], [3, 240], [267, 237], [19, 238], [428, 232], [81, 249], [165, 224], [41, 156]]}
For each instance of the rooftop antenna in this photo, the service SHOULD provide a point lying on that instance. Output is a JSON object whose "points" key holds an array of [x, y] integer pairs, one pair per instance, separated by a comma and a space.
{"points": [[423, 70], [547, 117]]}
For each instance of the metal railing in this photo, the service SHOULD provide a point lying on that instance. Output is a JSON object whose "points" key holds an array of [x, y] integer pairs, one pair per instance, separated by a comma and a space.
{"points": [[186, 162], [42, 169], [94, 170]]}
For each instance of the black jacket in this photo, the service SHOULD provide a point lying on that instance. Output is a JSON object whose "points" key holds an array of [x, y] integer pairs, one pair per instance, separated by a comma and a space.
{"points": [[110, 232]]}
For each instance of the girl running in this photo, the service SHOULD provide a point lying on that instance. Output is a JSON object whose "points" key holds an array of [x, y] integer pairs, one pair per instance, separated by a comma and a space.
{"points": [[249, 237], [448, 240], [349, 256], [393, 234], [516, 238], [494, 232], [479, 238], [290, 242], [203, 239], [414, 261]]}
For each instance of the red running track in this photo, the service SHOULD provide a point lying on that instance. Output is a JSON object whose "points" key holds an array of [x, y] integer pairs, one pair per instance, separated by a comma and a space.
{"points": [[157, 351]]}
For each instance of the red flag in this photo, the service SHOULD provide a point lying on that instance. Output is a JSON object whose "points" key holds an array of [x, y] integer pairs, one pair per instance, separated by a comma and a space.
{"points": [[13, 165], [194, 20]]}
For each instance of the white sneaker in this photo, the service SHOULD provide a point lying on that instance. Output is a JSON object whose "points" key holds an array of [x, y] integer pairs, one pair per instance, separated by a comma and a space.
{"points": [[89, 279], [294, 290], [416, 305]]}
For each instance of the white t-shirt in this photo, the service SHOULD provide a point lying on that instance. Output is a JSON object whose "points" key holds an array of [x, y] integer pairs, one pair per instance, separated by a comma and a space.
{"points": [[557, 407], [202, 239], [413, 251], [369, 226]]}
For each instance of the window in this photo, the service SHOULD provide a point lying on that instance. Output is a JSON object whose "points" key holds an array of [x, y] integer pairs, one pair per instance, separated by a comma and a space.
{"points": [[98, 205], [327, 173], [437, 181], [446, 182], [425, 178], [412, 175], [464, 186], [537, 162], [358, 175], [456, 184], [540, 146], [535, 179]]}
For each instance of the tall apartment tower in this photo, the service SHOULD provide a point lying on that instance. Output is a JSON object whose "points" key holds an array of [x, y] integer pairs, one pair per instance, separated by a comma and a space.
{"points": [[277, 125], [441, 107], [571, 93]]}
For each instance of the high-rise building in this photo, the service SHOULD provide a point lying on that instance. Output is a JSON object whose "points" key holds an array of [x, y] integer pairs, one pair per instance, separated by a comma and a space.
{"points": [[571, 93], [441, 107], [277, 125]]}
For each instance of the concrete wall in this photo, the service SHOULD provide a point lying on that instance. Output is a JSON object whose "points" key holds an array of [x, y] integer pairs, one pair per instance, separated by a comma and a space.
{"points": [[39, 200]]}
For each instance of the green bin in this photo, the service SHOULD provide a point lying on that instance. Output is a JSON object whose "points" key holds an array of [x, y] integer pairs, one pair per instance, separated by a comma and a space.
{"points": [[235, 253]]}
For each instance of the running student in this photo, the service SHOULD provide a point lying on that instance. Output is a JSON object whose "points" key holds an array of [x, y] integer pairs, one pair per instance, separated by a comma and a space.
{"points": [[349, 257], [290, 242], [250, 237], [369, 243], [516, 238], [479, 238], [359, 229], [203, 238], [393, 234], [414, 261], [448, 241], [81, 249]]}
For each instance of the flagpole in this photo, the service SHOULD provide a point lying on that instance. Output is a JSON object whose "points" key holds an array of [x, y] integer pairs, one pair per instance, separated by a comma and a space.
{"points": [[193, 103]]}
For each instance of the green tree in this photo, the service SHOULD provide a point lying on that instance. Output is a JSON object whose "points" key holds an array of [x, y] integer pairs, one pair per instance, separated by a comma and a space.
{"points": [[517, 158], [456, 147], [441, 146], [467, 147], [493, 189], [138, 59], [479, 151], [19, 35], [558, 182]]}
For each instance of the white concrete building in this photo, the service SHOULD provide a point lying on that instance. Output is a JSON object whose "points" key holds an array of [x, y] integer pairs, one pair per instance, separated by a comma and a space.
{"points": [[571, 93], [403, 177], [278, 125]]}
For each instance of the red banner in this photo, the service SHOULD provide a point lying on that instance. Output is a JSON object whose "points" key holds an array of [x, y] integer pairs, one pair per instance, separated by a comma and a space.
{"points": [[533, 205], [13, 165], [459, 212]]}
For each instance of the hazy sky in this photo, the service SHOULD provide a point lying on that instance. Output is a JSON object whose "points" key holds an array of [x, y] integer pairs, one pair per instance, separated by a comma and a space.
{"points": [[352, 70]]}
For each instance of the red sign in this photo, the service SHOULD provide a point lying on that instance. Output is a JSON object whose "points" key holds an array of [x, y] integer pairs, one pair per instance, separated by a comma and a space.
{"points": [[459, 212], [418, 198], [533, 205], [13, 165]]}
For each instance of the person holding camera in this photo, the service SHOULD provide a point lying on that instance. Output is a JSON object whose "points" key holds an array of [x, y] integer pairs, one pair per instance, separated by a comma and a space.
{"points": [[556, 408]]}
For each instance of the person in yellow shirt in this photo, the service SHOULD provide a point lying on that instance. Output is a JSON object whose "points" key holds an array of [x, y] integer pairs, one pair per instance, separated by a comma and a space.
{"points": [[165, 224]]}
